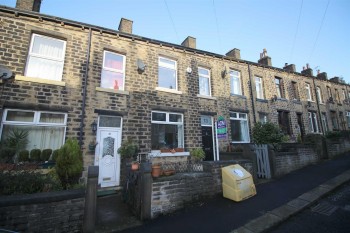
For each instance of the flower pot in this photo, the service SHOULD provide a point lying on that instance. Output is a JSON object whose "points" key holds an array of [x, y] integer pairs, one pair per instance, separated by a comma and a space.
{"points": [[156, 169]]}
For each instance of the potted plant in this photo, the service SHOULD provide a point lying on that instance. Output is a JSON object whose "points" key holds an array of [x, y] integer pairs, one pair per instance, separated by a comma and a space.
{"points": [[156, 170], [92, 145], [197, 154], [128, 150]]}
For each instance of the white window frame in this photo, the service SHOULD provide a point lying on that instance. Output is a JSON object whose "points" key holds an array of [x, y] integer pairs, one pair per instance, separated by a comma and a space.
{"points": [[36, 120], [259, 86], [324, 122], [235, 76], [313, 122], [319, 94], [239, 118], [204, 77], [60, 60], [348, 118], [120, 71], [278, 86], [167, 66], [168, 122], [264, 117], [308, 92]]}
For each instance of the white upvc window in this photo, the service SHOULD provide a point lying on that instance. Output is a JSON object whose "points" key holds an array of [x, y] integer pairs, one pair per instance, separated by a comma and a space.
{"points": [[46, 130], [235, 79], [167, 73], [325, 122], [45, 58], [259, 88], [308, 91], [313, 124], [239, 127], [204, 81], [113, 71], [319, 95], [167, 130], [348, 118]]}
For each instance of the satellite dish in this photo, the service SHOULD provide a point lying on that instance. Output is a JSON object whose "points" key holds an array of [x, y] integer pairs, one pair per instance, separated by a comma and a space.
{"points": [[140, 66], [6, 73]]}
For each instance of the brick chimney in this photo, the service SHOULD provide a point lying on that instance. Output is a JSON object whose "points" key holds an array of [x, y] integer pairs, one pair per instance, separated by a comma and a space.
{"points": [[290, 67], [125, 25], [322, 76], [29, 5], [189, 42], [308, 71], [264, 59], [235, 53]]}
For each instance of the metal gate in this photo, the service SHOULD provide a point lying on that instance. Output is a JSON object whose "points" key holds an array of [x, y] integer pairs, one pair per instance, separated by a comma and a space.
{"points": [[262, 159]]}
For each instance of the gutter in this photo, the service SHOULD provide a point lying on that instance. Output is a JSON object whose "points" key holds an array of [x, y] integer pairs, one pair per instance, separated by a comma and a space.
{"points": [[84, 89], [252, 95]]}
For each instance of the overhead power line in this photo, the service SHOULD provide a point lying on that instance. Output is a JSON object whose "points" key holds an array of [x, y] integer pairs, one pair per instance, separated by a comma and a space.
{"points": [[217, 25], [296, 32], [172, 21]]}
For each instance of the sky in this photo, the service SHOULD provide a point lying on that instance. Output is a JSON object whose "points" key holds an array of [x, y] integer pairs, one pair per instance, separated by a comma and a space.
{"points": [[293, 31]]}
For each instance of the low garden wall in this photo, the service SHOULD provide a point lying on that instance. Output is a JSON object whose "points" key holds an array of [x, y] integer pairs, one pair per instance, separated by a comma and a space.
{"points": [[61, 211], [170, 193], [337, 146]]}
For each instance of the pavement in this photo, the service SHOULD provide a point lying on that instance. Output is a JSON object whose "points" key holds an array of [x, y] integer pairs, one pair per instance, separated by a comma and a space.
{"points": [[275, 202]]}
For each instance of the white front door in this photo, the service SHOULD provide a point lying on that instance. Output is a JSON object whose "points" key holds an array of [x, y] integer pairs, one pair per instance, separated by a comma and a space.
{"points": [[107, 157]]}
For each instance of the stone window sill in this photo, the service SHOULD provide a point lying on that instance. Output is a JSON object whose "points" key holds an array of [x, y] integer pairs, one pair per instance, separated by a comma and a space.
{"points": [[39, 80], [157, 153], [262, 100], [206, 97], [239, 96], [168, 90], [112, 91]]}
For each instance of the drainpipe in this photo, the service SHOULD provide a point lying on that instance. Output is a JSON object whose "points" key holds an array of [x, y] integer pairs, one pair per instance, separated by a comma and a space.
{"points": [[84, 90], [252, 95], [318, 107]]}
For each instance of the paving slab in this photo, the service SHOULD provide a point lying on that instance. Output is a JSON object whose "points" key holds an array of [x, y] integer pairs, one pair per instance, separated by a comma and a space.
{"points": [[284, 211], [263, 222]]}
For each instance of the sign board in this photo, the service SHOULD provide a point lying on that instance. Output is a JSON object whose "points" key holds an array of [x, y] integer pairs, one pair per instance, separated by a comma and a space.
{"points": [[221, 127]]}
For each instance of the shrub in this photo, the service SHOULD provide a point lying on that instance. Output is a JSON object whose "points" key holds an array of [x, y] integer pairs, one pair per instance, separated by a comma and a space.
{"points": [[26, 182], [128, 149], [55, 155], [17, 139], [35, 155], [7, 154], [268, 133], [69, 163], [333, 135], [197, 154], [23, 156], [312, 139], [45, 154]]}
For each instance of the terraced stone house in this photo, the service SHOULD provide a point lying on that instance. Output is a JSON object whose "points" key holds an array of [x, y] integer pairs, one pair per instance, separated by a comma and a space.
{"points": [[72, 76]]}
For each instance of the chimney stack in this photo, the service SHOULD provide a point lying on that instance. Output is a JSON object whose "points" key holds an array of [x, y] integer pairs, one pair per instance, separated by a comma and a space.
{"points": [[264, 59], [125, 25], [290, 67], [322, 76], [189, 42], [308, 71], [235, 53], [29, 5], [335, 79]]}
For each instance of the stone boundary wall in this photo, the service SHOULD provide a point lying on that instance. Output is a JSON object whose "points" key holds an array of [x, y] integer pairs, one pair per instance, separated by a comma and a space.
{"points": [[174, 192], [61, 211], [337, 146], [286, 162]]}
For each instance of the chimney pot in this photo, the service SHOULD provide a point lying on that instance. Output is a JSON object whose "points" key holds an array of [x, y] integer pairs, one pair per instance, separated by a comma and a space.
{"points": [[29, 5], [264, 59], [125, 25], [189, 42]]}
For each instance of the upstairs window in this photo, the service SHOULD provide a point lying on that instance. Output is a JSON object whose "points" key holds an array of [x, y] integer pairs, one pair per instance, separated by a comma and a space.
{"points": [[45, 58], [330, 96], [204, 81], [337, 96], [259, 88], [113, 71], [279, 88], [308, 92], [295, 92], [167, 74], [46, 130], [319, 95], [235, 79]]}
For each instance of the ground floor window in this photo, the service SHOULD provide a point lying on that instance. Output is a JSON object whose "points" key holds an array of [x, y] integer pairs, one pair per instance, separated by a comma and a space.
{"points": [[44, 130], [262, 117], [313, 124], [239, 127], [283, 122], [167, 130], [348, 118], [334, 121], [324, 122]]}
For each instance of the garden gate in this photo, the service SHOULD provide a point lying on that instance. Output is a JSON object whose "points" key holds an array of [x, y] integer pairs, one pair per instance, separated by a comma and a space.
{"points": [[262, 159]]}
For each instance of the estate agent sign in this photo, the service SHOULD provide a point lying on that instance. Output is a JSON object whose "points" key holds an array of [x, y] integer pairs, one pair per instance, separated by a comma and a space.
{"points": [[221, 128]]}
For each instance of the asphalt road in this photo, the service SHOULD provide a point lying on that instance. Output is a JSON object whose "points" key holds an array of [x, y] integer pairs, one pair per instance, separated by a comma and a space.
{"points": [[330, 214]]}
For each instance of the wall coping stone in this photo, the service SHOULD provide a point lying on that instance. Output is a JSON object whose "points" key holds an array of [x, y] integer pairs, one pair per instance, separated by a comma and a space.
{"points": [[182, 176], [36, 198]]}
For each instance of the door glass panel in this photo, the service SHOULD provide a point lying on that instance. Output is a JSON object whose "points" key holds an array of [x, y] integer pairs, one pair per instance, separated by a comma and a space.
{"points": [[108, 121], [108, 146]]}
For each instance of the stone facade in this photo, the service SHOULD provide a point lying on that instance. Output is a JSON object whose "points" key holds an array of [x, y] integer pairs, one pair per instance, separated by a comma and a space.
{"points": [[81, 96]]}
